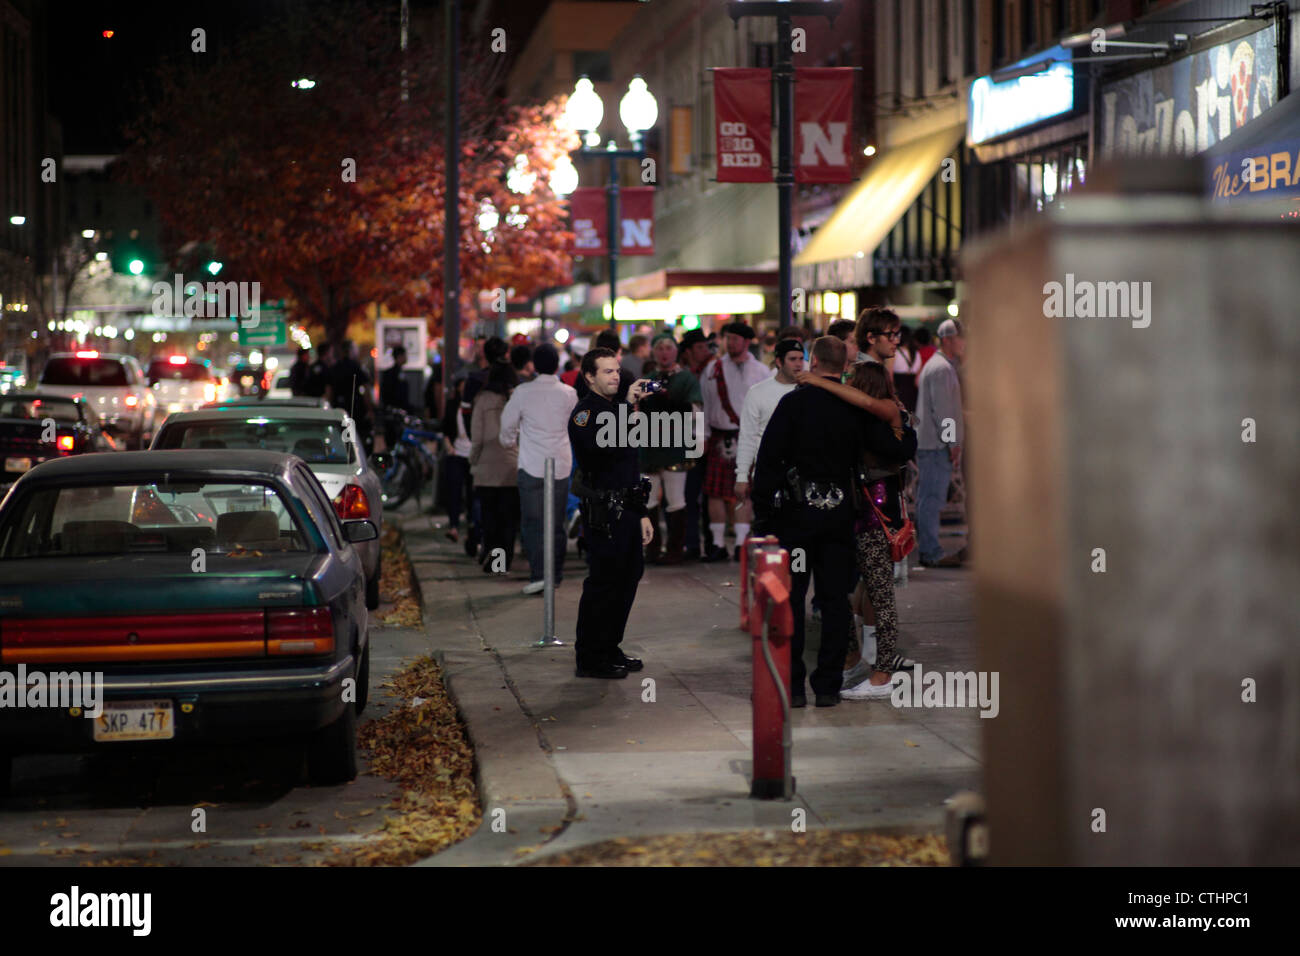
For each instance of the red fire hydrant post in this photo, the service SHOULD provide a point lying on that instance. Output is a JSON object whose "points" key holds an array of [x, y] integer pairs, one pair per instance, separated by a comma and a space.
{"points": [[748, 549], [771, 624]]}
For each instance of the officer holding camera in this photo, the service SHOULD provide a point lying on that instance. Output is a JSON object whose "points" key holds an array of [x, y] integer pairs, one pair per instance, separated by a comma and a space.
{"points": [[608, 480]]}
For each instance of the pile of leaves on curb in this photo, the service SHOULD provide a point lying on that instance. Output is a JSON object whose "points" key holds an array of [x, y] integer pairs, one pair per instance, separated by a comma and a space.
{"points": [[397, 582], [422, 746], [761, 848]]}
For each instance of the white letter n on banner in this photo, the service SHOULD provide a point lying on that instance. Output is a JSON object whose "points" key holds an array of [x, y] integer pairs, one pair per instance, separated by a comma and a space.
{"points": [[636, 234], [815, 140]]}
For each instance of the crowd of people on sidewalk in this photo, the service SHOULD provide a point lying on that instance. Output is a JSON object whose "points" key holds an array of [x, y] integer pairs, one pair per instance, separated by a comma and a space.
{"points": [[814, 439]]}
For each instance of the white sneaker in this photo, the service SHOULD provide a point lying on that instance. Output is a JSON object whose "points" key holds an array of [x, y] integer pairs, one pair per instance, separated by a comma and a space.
{"points": [[857, 673], [868, 691], [534, 587]]}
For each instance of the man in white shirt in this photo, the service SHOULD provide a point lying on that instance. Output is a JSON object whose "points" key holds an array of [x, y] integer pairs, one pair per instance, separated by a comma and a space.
{"points": [[536, 419], [726, 382], [760, 403]]}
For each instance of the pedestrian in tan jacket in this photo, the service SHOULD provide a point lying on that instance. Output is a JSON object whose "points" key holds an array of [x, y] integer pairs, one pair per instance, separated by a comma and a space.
{"points": [[494, 468]]}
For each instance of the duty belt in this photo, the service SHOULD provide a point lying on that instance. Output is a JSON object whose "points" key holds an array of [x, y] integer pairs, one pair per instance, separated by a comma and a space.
{"points": [[822, 495], [617, 500]]}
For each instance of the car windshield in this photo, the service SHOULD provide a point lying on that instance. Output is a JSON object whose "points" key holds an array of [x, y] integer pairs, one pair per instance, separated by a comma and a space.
{"points": [[177, 371], [87, 372], [239, 520], [315, 442], [38, 409]]}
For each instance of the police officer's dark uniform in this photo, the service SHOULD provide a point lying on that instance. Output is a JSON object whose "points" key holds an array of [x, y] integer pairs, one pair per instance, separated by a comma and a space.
{"points": [[809, 456], [613, 504]]}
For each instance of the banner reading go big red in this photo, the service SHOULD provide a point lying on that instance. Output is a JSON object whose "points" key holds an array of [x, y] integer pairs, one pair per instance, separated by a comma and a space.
{"points": [[742, 107], [823, 128]]}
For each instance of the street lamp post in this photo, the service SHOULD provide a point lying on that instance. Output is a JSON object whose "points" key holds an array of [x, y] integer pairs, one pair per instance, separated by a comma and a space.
{"points": [[784, 12], [638, 111]]}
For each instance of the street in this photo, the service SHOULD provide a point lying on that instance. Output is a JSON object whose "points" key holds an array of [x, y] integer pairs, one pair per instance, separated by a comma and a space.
{"points": [[112, 809]]}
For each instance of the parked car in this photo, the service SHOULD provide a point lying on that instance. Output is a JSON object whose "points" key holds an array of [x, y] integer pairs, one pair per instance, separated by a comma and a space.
{"points": [[98, 573], [251, 401], [37, 426], [181, 384], [322, 437], [113, 385]]}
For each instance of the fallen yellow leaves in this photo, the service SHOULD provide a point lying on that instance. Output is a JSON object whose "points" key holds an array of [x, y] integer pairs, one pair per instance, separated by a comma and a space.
{"points": [[424, 749], [761, 848], [397, 584]]}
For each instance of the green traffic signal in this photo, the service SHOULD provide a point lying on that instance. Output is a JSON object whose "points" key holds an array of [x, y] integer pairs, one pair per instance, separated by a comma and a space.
{"points": [[136, 266]]}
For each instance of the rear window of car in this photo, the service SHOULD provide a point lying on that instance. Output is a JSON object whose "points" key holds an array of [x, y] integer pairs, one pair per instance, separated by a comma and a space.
{"points": [[315, 442], [86, 372], [188, 372], [107, 520], [38, 409]]}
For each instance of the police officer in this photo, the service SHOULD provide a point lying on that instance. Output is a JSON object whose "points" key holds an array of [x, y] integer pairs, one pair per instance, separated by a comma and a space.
{"points": [[614, 514], [804, 492]]}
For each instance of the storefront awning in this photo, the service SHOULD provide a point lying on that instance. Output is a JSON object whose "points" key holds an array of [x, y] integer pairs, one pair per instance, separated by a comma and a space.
{"points": [[1270, 144], [865, 216]]}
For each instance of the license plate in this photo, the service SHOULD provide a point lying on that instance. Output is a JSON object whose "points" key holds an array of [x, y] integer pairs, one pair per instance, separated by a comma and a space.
{"points": [[135, 720], [18, 464]]}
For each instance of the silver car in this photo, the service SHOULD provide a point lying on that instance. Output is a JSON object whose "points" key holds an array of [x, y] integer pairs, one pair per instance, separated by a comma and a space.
{"points": [[325, 438]]}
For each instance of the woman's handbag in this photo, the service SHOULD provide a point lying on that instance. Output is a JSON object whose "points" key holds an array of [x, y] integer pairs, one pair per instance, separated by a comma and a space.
{"points": [[902, 541]]}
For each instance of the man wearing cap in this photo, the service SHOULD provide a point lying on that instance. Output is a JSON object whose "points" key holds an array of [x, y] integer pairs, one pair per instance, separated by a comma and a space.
{"points": [[668, 467], [536, 420], [760, 403], [693, 356], [940, 432], [726, 382]]}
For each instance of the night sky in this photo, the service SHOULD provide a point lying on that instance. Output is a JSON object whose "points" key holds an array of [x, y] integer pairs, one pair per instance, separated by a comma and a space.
{"points": [[97, 84]]}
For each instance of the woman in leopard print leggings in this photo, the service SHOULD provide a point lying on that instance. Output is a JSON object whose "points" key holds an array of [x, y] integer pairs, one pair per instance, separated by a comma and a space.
{"points": [[877, 570]]}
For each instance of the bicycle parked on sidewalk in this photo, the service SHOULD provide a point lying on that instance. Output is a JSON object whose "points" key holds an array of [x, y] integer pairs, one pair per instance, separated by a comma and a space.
{"points": [[407, 467]]}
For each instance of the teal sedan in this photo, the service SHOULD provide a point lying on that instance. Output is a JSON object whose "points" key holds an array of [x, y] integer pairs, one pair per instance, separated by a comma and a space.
{"points": [[207, 596]]}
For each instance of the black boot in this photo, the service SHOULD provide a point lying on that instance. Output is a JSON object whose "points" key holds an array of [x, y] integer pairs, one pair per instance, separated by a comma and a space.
{"points": [[673, 553]]}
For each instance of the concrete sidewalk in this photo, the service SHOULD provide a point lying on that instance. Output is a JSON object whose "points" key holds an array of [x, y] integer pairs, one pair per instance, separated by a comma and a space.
{"points": [[565, 761]]}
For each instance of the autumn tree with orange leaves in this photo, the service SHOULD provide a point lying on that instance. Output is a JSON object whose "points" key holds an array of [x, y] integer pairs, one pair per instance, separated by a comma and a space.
{"points": [[332, 196]]}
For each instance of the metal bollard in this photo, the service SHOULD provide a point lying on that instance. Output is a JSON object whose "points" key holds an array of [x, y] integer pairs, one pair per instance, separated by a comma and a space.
{"points": [[548, 560]]}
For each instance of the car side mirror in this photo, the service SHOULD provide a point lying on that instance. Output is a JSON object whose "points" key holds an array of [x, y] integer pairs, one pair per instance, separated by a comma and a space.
{"points": [[360, 530]]}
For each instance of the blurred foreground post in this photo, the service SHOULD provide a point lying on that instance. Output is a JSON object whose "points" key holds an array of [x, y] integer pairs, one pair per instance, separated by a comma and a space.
{"points": [[1133, 512]]}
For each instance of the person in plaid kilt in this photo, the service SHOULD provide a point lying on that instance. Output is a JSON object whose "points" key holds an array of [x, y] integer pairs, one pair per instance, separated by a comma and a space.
{"points": [[726, 381]]}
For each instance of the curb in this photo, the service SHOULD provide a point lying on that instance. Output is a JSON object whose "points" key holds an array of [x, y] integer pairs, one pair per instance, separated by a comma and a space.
{"points": [[524, 801]]}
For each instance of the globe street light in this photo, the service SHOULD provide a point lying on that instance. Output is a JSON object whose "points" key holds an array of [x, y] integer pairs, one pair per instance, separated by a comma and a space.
{"points": [[638, 110], [564, 177]]}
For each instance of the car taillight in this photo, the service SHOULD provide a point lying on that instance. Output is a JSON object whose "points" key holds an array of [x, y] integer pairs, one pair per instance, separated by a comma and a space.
{"points": [[299, 630], [352, 504], [66, 442], [132, 401]]}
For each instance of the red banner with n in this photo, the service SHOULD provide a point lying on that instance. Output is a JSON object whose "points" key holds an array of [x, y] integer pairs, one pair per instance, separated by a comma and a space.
{"points": [[823, 132]]}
